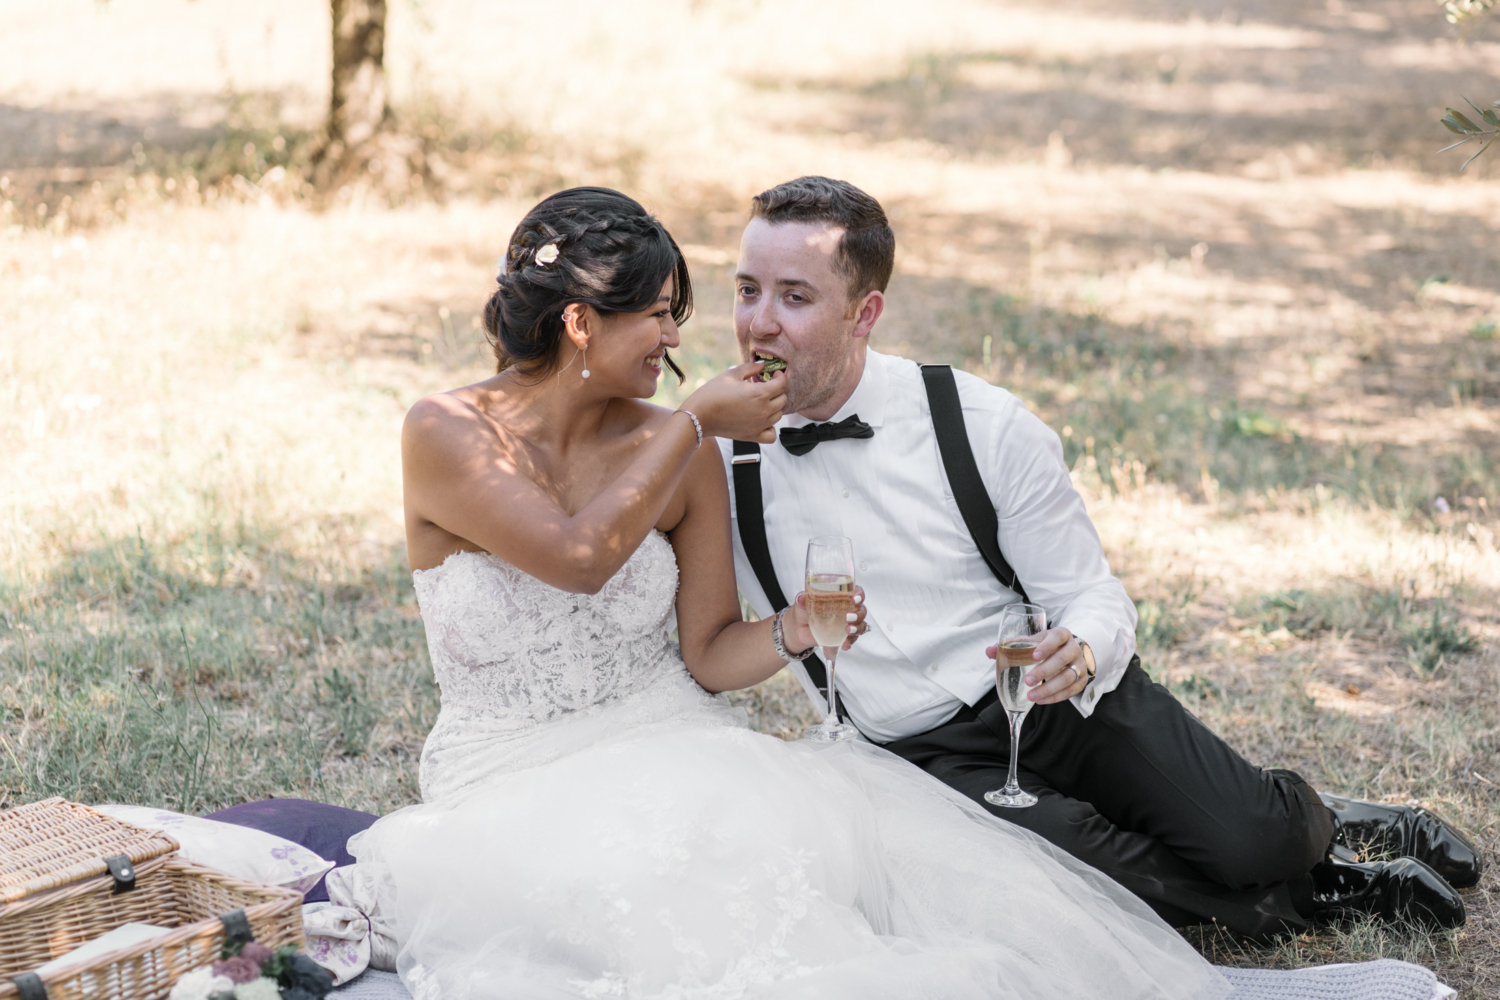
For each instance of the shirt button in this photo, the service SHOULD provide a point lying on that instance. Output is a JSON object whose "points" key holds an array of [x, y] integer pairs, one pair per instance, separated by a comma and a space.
{"points": [[846, 494], [863, 565]]}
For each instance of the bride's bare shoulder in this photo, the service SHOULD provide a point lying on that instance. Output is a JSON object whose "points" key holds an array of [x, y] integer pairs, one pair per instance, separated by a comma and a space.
{"points": [[454, 412], [644, 415]]}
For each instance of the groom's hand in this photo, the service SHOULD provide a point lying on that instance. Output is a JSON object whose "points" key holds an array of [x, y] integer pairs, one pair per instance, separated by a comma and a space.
{"points": [[1060, 672]]}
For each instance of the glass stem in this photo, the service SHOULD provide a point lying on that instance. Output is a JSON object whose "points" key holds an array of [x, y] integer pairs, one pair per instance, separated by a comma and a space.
{"points": [[1016, 718], [832, 653]]}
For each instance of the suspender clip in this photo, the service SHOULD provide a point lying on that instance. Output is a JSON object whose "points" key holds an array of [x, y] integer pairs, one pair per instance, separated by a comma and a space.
{"points": [[751, 459]]}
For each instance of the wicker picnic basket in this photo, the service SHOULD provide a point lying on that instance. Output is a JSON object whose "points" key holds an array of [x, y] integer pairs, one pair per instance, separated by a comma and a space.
{"points": [[73, 895], [54, 842]]}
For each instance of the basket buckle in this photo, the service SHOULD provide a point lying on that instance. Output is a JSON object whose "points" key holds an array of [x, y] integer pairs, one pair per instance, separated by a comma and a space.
{"points": [[237, 927], [29, 986], [123, 871]]}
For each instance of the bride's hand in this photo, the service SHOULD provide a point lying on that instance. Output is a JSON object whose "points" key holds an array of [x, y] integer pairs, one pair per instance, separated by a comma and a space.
{"points": [[800, 637], [731, 405]]}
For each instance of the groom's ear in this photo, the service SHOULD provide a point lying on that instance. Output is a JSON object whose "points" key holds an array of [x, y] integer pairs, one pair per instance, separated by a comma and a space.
{"points": [[866, 311]]}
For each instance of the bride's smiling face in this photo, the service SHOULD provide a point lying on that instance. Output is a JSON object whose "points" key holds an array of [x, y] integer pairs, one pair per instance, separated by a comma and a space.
{"points": [[625, 350]]}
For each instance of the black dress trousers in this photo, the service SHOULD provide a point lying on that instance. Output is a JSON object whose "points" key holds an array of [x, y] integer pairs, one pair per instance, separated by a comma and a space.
{"points": [[1147, 794]]}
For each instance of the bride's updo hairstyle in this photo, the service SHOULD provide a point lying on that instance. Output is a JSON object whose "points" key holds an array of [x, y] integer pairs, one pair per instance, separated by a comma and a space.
{"points": [[589, 245]]}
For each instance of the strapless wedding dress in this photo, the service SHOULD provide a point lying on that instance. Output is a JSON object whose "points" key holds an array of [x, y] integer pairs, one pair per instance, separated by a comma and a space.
{"points": [[596, 825]]}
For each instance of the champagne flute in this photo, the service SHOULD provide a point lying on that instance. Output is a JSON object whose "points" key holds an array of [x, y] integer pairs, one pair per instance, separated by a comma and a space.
{"points": [[830, 599], [1021, 628]]}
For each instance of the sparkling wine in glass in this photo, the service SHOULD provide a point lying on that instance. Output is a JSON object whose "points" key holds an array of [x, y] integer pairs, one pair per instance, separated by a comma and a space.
{"points": [[830, 600], [1021, 628]]}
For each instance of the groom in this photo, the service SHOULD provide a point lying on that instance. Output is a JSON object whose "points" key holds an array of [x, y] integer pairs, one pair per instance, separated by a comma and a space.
{"points": [[958, 503]]}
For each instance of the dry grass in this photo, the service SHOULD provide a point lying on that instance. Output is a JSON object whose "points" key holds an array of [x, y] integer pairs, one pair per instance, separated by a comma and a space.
{"points": [[1214, 249]]}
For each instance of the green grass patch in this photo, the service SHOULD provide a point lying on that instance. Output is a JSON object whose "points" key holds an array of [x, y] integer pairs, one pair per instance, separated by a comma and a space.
{"points": [[1434, 640], [146, 674]]}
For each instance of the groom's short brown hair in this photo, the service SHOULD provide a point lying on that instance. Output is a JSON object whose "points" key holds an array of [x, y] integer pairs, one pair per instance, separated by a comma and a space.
{"points": [[867, 250]]}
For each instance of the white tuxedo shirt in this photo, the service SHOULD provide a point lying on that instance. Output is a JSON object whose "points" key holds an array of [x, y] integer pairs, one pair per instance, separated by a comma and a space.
{"points": [[933, 603]]}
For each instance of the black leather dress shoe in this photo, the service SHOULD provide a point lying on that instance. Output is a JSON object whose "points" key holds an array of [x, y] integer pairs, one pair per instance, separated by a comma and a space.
{"points": [[1404, 890], [1400, 831]]}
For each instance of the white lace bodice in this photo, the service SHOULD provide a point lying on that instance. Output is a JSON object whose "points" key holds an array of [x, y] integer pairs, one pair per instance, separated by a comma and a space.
{"points": [[513, 655]]}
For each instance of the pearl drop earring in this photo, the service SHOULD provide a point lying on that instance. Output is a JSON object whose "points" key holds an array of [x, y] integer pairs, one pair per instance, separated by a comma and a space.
{"points": [[583, 350]]}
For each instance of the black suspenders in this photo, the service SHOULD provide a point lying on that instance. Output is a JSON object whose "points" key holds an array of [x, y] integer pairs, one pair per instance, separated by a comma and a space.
{"points": [[748, 500], [963, 477], [963, 473]]}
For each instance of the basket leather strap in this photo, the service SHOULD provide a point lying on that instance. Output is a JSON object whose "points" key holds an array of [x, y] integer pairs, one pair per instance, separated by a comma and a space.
{"points": [[29, 986], [123, 871], [237, 927]]}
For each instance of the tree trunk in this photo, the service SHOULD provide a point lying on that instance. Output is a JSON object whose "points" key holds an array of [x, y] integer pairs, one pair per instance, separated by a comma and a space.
{"points": [[357, 108]]}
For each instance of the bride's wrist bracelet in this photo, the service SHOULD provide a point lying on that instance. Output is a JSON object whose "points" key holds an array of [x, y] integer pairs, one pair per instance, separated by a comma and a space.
{"points": [[697, 427], [778, 639]]}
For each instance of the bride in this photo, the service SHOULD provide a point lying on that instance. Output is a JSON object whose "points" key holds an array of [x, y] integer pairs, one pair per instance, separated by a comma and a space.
{"points": [[596, 823]]}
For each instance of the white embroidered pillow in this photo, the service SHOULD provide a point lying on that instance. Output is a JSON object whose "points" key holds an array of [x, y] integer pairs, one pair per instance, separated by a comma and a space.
{"points": [[238, 850]]}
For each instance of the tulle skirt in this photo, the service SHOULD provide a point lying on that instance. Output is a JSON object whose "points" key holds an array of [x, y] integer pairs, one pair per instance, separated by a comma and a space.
{"points": [[686, 858]]}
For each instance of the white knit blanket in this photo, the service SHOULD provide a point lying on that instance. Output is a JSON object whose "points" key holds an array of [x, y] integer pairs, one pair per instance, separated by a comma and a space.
{"points": [[1386, 979]]}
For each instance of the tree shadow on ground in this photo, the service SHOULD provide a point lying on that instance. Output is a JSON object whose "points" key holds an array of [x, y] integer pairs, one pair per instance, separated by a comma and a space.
{"points": [[88, 165], [1183, 405], [1260, 89], [1260, 113], [71, 139]]}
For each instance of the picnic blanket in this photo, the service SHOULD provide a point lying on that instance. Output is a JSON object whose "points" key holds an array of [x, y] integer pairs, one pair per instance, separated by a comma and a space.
{"points": [[1384, 979]]}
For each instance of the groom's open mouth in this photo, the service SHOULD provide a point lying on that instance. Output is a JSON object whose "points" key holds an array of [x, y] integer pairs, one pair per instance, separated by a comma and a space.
{"points": [[773, 365]]}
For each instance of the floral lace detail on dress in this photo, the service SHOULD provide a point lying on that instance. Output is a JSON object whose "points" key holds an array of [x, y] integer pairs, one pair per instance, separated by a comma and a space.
{"points": [[512, 654], [763, 945]]}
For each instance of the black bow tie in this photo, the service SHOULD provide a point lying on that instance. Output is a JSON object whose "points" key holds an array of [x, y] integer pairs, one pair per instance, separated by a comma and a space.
{"points": [[801, 440]]}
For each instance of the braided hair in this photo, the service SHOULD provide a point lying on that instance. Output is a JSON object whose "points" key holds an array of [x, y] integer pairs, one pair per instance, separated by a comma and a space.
{"points": [[589, 245]]}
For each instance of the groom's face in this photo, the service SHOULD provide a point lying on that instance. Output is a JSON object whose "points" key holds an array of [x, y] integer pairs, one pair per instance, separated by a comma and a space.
{"points": [[791, 304]]}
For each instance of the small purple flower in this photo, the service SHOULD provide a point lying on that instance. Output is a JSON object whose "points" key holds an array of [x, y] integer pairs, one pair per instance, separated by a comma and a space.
{"points": [[238, 969], [256, 952]]}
